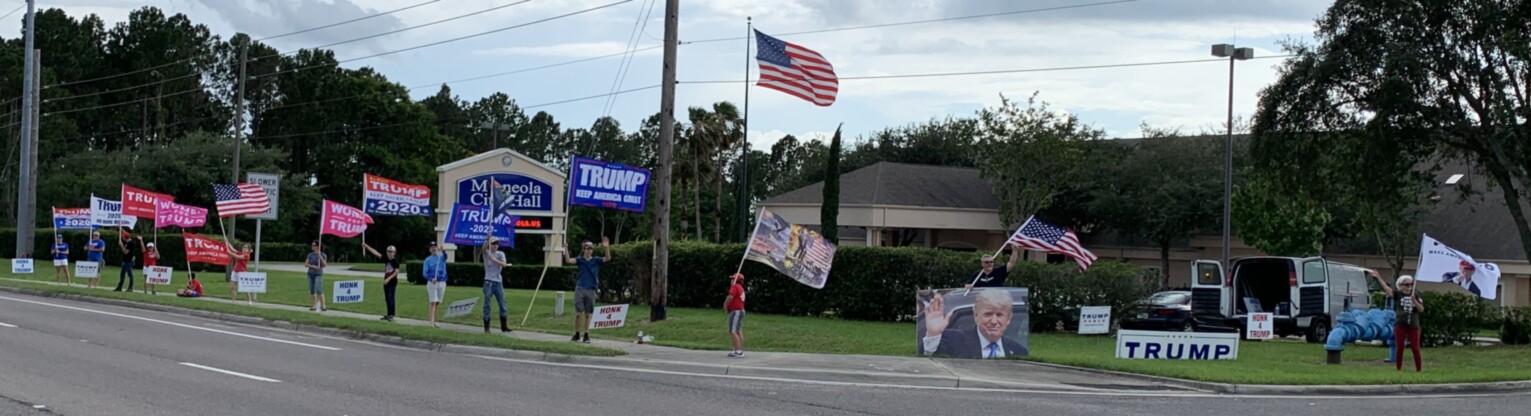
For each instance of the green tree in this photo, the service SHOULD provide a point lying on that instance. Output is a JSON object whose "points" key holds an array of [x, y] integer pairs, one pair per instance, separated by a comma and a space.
{"points": [[829, 214], [1162, 188], [1387, 92], [1030, 154]]}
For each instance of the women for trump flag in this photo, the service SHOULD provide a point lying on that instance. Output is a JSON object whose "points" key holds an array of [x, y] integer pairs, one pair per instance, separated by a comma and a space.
{"points": [[797, 252], [140, 203], [167, 213], [342, 220]]}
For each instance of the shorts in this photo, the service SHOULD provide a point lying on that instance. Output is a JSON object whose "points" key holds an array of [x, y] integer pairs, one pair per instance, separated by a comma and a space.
{"points": [[61, 262], [316, 284], [735, 322], [584, 300], [435, 291]]}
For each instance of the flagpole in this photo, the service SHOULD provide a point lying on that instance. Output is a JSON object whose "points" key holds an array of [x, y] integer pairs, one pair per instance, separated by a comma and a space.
{"points": [[996, 254], [748, 242], [562, 239], [744, 151]]}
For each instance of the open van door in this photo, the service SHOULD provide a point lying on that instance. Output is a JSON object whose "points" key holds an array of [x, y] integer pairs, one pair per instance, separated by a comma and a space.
{"points": [[1209, 290], [1312, 286]]}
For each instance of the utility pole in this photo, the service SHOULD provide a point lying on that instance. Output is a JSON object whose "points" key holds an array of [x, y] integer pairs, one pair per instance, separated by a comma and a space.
{"points": [[26, 221], [659, 289], [239, 133]]}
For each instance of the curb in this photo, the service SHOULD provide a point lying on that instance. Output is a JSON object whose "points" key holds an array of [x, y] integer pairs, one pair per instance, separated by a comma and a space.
{"points": [[1314, 390]]}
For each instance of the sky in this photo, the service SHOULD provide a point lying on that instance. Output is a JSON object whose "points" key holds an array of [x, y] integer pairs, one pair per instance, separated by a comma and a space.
{"points": [[1192, 97]]}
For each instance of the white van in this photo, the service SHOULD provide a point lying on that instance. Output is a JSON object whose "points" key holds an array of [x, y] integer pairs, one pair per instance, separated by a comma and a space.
{"points": [[1305, 294]]}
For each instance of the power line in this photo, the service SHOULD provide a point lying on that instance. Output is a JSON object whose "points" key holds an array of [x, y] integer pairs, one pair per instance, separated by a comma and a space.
{"points": [[535, 68], [398, 30], [119, 104], [915, 22], [93, 94], [18, 8], [438, 43], [348, 21], [1008, 71], [627, 60], [136, 71]]}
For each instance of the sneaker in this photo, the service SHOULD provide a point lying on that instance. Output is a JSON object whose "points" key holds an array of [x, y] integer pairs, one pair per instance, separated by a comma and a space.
{"points": [[587, 337], [735, 354], [385, 318], [576, 338]]}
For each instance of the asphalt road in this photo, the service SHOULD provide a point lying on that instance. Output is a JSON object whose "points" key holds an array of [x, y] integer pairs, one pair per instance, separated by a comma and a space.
{"points": [[79, 358]]}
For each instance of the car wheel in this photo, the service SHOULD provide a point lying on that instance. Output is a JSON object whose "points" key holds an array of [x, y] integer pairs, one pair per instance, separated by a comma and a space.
{"points": [[1318, 333]]}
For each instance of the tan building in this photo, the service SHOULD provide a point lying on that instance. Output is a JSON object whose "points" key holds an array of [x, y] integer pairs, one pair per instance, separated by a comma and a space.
{"points": [[895, 204], [536, 189]]}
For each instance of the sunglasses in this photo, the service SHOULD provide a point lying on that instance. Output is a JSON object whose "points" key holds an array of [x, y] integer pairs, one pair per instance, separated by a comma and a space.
{"points": [[1407, 284]]}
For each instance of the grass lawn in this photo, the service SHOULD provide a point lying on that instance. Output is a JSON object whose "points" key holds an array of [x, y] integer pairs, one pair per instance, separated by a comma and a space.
{"points": [[1270, 362], [368, 267], [213, 284]]}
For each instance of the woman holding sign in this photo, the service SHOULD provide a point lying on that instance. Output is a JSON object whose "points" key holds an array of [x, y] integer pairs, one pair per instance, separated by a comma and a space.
{"points": [[151, 259], [61, 259], [241, 265]]}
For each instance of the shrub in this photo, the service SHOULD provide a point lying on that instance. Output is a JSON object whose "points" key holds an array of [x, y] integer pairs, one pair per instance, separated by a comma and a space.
{"points": [[1451, 318], [1516, 328]]}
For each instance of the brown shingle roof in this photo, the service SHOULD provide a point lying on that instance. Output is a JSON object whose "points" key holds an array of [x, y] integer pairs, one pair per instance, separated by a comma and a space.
{"points": [[901, 184]]}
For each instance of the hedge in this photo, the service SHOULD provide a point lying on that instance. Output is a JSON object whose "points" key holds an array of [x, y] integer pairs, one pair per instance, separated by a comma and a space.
{"points": [[1450, 318], [876, 283], [1516, 327]]}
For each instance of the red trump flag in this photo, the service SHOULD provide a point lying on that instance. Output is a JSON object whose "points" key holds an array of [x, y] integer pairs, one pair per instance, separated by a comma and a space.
{"points": [[140, 203], [342, 220], [205, 250]]}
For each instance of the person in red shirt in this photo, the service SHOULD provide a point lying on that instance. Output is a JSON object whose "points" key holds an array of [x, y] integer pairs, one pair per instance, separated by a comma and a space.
{"points": [[193, 288], [241, 265], [151, 259], [735, 307]]}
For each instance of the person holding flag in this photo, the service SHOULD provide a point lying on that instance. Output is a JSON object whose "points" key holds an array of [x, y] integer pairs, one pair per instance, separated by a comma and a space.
{"points": [[241, 264], [315, 264], [390, 277], [588, 284], [130, 253], [61, 259], [494, 284], [990, 276], [193, 287]]}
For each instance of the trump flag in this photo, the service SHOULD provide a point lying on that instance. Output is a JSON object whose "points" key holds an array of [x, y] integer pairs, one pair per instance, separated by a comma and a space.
{"points": [[385, 196], [140, 203], [797, 252], [1439, 263], [168, 213], [205, 250]]}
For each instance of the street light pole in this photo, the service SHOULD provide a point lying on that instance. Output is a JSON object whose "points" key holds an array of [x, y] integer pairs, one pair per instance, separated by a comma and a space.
{"points": [[1233, 54]]}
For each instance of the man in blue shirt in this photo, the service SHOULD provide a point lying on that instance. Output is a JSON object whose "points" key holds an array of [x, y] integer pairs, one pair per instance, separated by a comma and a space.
{"points": [[435, 273], [95, 251], [586, 286]]}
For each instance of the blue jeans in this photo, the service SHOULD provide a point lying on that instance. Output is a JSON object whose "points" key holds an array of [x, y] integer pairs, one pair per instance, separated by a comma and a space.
{"points": [[126, 274], [497, 290]]}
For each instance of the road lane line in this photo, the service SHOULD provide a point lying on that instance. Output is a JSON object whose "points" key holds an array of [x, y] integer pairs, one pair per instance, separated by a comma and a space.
{"points": [[175, 324], [232, 373], [7, 325], [1109, 393]]}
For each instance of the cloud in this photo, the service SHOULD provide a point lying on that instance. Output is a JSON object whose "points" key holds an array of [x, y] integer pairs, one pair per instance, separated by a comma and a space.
{"points": [[267, 18]]}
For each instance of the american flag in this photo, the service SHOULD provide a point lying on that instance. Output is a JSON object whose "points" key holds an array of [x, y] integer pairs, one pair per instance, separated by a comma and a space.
{"points": [[245, 198], [796, 70], [1041, 236]]}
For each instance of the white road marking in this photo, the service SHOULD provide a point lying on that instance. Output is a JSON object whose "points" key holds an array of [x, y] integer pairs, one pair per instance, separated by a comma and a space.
{"points": [[232, 373], [1113, 393], [176, 324], [7, 325]]}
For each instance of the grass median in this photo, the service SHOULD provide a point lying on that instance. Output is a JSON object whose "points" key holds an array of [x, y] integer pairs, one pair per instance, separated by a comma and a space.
{"points": [[1270, 362], [419, 333]]}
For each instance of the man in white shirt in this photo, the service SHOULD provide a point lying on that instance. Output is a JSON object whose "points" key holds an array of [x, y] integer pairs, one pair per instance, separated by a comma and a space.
{"points": [[991, 317]]}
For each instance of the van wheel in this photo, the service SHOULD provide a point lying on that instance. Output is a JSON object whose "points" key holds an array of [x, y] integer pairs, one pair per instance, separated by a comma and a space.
{"points": [[1318, 333]]}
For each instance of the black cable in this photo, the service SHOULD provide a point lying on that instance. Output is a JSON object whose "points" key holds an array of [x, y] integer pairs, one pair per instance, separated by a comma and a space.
{"points": [[915, 22], [347, 22], [396, 31], [188, 59]]}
